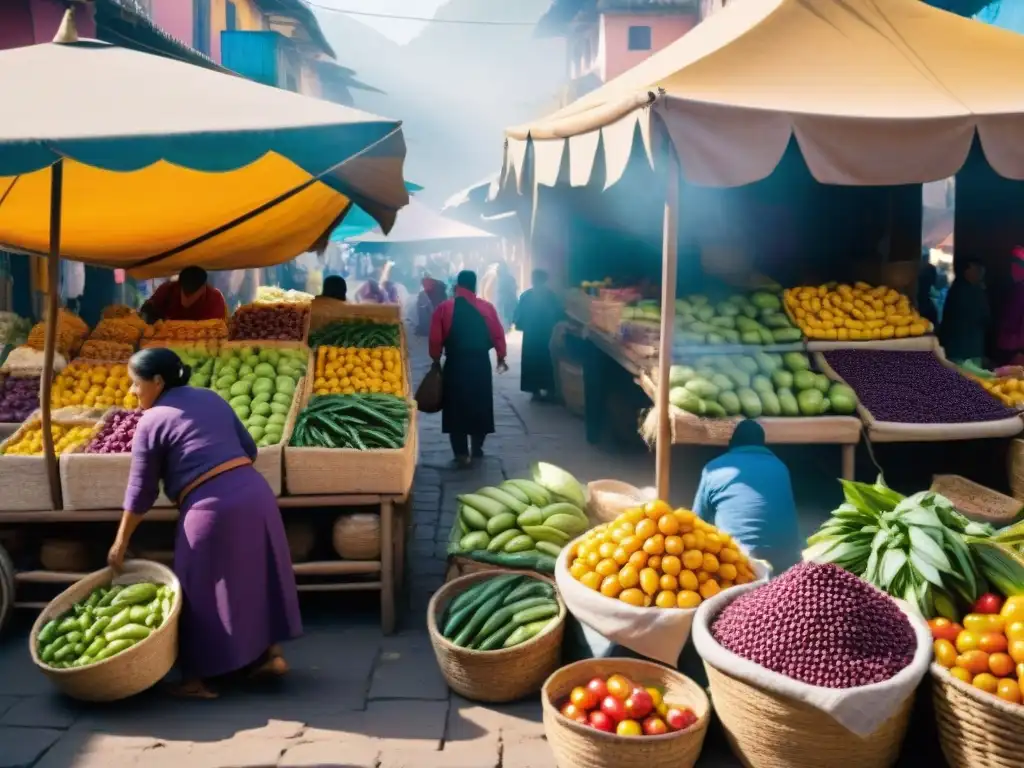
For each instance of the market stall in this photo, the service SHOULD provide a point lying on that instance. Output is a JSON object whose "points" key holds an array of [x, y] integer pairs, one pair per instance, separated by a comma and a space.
{"points": [[706, 128], [204, 169]]}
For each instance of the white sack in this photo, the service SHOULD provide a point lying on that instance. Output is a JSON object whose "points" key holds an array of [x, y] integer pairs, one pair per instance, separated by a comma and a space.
{"points": [[861, 710], [657, 633]]}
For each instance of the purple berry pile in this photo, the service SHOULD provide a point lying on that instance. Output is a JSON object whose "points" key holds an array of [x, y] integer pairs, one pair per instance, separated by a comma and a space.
{"points": [[116, 435], [19, 397], [820, 625], [914, 388]]}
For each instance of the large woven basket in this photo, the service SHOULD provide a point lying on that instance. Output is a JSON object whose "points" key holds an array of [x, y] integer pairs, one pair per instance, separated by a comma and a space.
{"points": [[978, 502], [976, 729], [580, 746], [128, 673], [493, 676], [767, 730], [1015, 469], [357, 536]]}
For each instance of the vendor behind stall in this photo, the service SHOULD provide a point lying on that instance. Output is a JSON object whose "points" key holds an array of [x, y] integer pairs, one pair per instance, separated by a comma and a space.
{"points": [[965, 316], [335, 287], [747, 493], [190, 297]]}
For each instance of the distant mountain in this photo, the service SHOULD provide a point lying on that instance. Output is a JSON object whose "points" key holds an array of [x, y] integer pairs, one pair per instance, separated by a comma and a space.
{"points": [[455, 86]]}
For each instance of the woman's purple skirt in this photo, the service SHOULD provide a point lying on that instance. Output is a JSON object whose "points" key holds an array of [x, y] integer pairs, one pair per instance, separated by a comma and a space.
{"points": [[231, 556]]}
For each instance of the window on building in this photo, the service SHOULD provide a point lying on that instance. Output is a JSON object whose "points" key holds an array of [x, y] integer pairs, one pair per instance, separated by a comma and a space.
{"points": [[639, 38], [230, 16]]}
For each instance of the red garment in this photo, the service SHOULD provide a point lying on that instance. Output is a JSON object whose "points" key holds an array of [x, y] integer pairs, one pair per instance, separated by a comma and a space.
{"points": [[166, 301], [441, 322]]}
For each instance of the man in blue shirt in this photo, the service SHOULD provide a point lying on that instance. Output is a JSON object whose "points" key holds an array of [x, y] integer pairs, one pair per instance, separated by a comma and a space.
{"points": [[747, 493]]}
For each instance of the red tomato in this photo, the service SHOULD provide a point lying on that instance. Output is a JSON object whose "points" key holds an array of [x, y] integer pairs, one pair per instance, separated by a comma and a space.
{"points": [[655, 726], [598, 688], [679, 719], [616, 709], [583, 698], [988, 603], [992, 642], [944, 629], [619, 687], [602, 722], [572, 712], [629, 728], [639, 704]]}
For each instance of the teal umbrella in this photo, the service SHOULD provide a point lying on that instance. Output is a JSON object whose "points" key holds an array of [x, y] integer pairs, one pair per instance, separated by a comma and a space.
{"points": [[359, 222]]}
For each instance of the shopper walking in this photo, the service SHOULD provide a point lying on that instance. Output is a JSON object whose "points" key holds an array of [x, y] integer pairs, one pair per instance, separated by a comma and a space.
{"points": [[536, 315], [465, 328], [230, 553]]}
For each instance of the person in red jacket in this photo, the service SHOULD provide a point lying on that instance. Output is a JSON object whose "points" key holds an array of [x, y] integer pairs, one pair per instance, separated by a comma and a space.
{"points": [[189, 297], [465, 328]]}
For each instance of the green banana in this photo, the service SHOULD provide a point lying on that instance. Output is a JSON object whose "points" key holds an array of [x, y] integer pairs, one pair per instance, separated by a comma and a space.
{"points": [[532, 516], [564, 508], [516, 491], [485, 505], [545, 533], [539, 496], [504, 497]]}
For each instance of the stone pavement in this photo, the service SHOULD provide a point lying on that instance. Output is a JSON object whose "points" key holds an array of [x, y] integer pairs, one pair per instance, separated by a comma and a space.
{"points": [[354, 698]]}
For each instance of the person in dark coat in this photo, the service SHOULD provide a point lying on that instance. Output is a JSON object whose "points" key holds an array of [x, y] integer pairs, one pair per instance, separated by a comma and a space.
{"points": [[536, 315], [966, 317], [466, 328], [429, 299], [335, 287]]}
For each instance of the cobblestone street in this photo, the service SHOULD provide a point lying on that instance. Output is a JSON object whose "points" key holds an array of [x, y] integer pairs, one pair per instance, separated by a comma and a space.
{"points": [[354, 698]]}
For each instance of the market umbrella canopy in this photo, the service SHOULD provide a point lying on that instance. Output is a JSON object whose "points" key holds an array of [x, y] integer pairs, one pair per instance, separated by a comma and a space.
{"points": [[424, 228], [875, 93], [357, 221], [159, 154]]}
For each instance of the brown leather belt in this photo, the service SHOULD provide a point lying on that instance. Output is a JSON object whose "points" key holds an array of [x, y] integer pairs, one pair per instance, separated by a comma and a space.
{"points": [[220, 469]]}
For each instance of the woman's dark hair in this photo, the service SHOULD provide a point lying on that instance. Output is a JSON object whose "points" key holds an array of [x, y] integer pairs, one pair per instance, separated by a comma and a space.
{"points": [[158, 361], [335, 287]]}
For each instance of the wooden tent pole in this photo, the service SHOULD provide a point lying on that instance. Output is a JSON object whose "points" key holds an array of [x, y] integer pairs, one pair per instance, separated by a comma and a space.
{"points": [[49, 346], [669, 257]]}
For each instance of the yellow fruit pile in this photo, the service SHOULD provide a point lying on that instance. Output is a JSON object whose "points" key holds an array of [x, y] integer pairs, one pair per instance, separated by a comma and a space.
{"points": [[111, 351], [71, 330], [853, 313], [115, 311], [348, 370], [654, 555], [122, 330], [1009, 390], [93, 385], [187, 330], [29, 441]]}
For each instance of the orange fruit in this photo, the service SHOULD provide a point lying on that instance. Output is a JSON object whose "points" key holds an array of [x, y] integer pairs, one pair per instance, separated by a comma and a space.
{"points": [[709, 589], [1009, 690], [693, 559], [620, 556], [646, 528], [669, 583], [1000, 665], [993, 642], [728, 555], [654, 561], [649, 581], [631, 544], [638, 559], [665, 599], [578, 569], [689, 541], [673, 545], [702, 576], [688, 598], [668, 525], [961, 674], [945, 653], [712, 543], [1016, 651], [632, 597], [671, 565], [593, 558], [629, 577], [710, 563], [591, 580], [968, 641], [727, 572], [975, 662], [655, 509], [688, 580], [986, 682], [607, 549], [685, 516], [610, 586], [655, 545], [1015, 631], [607, 567]]}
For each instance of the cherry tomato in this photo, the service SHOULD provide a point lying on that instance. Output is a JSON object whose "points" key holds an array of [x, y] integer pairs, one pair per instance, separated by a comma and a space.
{"points": [[988, 603], [975, 662], [598, 688], [1016, 651], [1009, 690], [616, 709], [629, 728], [619, 687], [993, 642], [944, 629], [967, 641], [572, 712], [961, 674], [1013, 609], [1015, 630], [983, 623], [1000, 665], [945, 653], [986, 682], [583, 698]]}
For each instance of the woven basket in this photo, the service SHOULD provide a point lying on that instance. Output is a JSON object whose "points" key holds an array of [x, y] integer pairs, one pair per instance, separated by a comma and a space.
{"points": [[66, 555], [1015, 469], [766, 730], [493, 676], [128, 673], [357, 536], [607, 499], [976, 729], [580, 746], [976, 501]]}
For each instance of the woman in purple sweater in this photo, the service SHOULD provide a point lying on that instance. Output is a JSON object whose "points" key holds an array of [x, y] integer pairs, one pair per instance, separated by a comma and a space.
{"points": [[231, 553]]}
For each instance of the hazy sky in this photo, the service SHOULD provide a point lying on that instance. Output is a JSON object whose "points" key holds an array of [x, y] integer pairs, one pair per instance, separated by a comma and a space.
{"points": [[399, 31]]}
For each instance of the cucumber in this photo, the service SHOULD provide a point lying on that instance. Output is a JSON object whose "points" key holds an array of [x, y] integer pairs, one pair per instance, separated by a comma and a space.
{"points": [[48, 633], [466, 597], [480, 615], [136, 594], [457, 619], [495, 640], [532, 588], [97, 628], [520, 543], [69, 624], [548, 548], [536, 613], [528, 561], [498, 542], [525, 632], [108, 598], [503, 615]]}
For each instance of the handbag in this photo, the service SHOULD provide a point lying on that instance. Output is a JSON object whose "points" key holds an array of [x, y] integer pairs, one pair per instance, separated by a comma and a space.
{"points": [[430, 390]]}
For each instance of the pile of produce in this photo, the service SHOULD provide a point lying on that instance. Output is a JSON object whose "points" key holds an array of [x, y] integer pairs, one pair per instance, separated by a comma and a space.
{"points": [[351, 370], [854, 313], [498, 613], [25, 358], [115, 311], [618, 705], [988, 650], [914, 388], [265, 322], [259, 384], [71, 331], [361, 422], [356, 333], [762, 384], [521, 523], [110, 351], [116, 434], [111, 620], [751, 320], [19, 397], [124, 330], [93, 385], [657, 556], [1009, 391], [28, 441], [13, 329], [820, 625], [186, 330], [271, 294]]}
